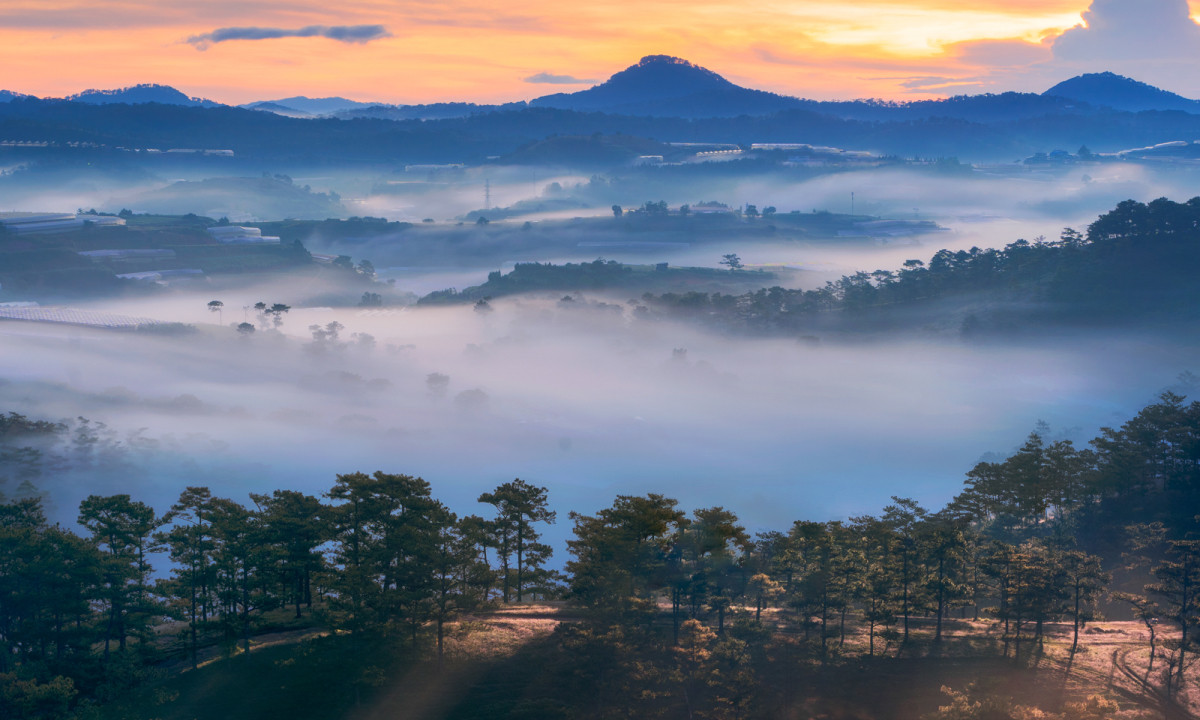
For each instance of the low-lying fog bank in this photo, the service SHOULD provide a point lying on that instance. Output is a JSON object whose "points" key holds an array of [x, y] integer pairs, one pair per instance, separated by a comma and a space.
{"points": [[983, 208], [586, 401]]}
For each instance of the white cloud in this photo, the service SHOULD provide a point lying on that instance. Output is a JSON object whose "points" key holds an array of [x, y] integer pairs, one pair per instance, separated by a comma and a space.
{"points": [[1154, 41], [1131, 30]]}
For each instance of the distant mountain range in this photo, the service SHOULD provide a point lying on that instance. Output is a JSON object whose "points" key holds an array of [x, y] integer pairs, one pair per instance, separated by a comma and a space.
{"points": [[660, 97], [274, 107], [665, 86], [301, 106]]}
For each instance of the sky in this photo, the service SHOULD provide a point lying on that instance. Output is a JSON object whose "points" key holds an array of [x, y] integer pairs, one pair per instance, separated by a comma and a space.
{"points": [[416, 51]]}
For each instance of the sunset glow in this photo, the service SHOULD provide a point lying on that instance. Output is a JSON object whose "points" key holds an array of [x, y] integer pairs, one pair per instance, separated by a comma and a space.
{"points": [[415, 51]]}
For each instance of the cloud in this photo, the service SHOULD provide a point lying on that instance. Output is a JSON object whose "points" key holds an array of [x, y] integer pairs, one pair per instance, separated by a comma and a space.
{"points": [[551, 79], [1000, 53], [1131, 30], [1154, 41], [357, 34], [940, 84]]}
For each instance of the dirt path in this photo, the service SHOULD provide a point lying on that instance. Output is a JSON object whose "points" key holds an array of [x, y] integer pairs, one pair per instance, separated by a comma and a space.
{"points": [[1144, 693]]}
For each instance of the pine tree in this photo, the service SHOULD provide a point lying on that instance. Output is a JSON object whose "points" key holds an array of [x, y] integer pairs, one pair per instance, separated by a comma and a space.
{"points": [[190, 544], [124, 531], [519, 506], [293, 526]]}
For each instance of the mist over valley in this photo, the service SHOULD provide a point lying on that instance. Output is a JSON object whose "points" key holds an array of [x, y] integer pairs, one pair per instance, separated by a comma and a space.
{"points": [[658, 397]]}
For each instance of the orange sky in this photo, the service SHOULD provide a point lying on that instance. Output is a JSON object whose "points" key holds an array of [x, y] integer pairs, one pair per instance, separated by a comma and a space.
{"points": [[464, 50]]}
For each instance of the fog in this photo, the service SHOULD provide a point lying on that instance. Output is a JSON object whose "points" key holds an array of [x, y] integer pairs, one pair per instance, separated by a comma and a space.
{"points": [[590, 401], [989, 207], [586, 401]]}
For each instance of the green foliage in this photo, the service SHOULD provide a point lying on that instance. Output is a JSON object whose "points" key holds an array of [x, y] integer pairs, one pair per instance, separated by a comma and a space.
{"points": [[977, 702], [124, 531], [621, 554], [29, 699], [389, 564], [530, 277], [1132, 260], [519, 506]]}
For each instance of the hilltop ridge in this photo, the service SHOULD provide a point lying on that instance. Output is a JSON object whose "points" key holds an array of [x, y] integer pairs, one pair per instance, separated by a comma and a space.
{"points": [[662, 85], [139, 94], [1118, 92]]}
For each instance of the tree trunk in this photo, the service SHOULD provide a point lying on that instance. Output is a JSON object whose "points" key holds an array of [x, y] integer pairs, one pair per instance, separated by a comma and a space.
{"points": [[871, 634], [520, 563], [245, 610], [1153, 651], [1185, 604], [440, 638], [905, 569], [1075, 639], [941, 605], [675, 604], [842, 628]]}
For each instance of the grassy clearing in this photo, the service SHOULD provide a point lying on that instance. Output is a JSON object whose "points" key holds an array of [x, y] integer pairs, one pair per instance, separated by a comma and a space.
{"points": [[509, 663]]}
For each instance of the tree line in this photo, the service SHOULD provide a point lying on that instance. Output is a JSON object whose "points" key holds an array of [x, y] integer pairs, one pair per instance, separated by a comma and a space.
{"points": [[376, 555], [682, 611], [1132, 259]]}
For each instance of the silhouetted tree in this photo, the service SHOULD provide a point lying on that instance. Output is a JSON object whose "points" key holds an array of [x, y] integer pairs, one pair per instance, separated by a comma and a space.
{"points": [[519, 506]]}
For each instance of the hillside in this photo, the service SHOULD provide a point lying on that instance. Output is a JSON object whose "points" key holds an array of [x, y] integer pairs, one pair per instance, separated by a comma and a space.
{"points": [[669, 86], [598, 275], [1120, 93], [139, 94], [660, 611], [1133, 267], [99, 260]]}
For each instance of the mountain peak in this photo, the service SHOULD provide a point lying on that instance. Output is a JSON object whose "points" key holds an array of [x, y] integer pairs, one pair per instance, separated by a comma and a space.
{"points": [[662, 85], [1107, 89], [665, 76], [138, 94], [664, 60]]}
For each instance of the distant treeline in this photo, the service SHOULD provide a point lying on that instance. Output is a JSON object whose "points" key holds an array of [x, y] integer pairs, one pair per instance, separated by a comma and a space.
{"points": [[534, 277], [998, 127], [1135, 258], [674, 602]]}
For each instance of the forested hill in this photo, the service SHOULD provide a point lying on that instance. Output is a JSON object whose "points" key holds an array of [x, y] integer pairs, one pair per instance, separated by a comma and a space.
{"points": [[997, 128], [1135, 263]]}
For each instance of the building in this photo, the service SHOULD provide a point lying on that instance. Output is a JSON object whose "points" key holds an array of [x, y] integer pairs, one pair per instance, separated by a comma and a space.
{"points": [[238, 235], [28, 223]]}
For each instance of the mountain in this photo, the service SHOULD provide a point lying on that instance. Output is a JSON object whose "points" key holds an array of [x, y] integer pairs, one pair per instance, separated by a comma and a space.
{"points": [[433, 111], [1120, 93], [664, 98], [274, 107], [8, 96], [264, 136], [310, 106], [988, 108], [139, 94], [665, 86]]}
